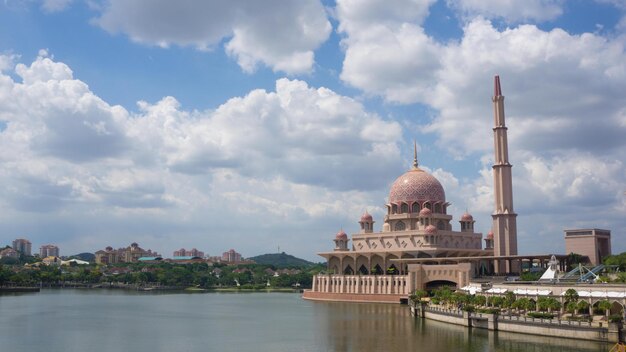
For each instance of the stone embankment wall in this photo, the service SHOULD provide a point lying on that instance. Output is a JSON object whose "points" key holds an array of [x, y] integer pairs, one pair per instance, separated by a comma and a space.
{"points": [[546, 327], [352, 297]]}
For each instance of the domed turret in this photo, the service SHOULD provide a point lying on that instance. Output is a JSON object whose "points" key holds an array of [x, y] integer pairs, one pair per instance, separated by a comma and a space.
{"points": [[366, 216], [341, 241], [467, 222], [467, 217], [489, 240], [426, 212], [367, 223]]}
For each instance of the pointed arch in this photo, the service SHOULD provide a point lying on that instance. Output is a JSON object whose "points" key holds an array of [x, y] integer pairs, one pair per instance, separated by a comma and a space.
{"points": [[363, 270]]}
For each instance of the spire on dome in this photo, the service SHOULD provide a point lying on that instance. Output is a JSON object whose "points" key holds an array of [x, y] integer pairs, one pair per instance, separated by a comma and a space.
{"points": [[497, 90], [415, 154]]}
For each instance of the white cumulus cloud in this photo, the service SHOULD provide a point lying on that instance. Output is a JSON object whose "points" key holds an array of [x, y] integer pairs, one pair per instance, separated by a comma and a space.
{"points": [[281, 35]]}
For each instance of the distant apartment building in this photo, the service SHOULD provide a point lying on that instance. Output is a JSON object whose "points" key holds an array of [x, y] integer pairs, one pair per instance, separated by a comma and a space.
{"points": [[188, 253], [130, 254], [22, 246], [594, 243], [48, 250], [231, 256]]}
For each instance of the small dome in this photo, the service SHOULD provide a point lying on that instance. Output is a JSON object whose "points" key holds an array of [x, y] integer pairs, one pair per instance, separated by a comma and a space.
{"points": [[426, 212], [341, 235], [366, 217], [430, 229], [467, 217], [490, 235]]}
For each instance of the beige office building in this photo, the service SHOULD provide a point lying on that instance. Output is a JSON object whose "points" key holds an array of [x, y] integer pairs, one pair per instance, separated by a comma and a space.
{"points": [[593, 243]]}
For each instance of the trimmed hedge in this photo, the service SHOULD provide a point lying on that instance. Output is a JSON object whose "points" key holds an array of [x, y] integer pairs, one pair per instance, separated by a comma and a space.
{"points": [[489, 310]]}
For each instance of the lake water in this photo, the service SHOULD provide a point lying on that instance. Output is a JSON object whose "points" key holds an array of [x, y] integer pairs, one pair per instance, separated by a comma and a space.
{"points": [[114, 320]]}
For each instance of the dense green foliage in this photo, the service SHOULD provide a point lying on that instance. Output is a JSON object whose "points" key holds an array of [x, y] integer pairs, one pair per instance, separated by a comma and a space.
{"points": [[201, 275], [531, 275], [281, 260]]}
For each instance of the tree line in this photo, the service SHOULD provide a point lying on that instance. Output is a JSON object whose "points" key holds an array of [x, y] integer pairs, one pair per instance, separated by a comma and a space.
{"points": [[201, 275]]}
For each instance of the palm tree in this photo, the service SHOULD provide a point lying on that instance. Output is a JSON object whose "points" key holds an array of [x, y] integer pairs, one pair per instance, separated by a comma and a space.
{"points": [[480, 300], [571, 307], [553, 304], [582, 305], [605, 306], [571, 295]]}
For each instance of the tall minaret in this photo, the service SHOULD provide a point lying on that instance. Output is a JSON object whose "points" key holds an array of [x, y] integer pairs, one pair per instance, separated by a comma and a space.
{"points": [[504, 217]]}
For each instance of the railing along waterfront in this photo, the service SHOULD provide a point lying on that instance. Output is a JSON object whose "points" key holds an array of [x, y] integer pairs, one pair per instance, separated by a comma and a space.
{"points": [[439, 310], [524, 319]]}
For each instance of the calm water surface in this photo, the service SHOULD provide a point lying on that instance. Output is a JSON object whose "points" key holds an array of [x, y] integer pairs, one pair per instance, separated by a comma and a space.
{"points": [[103, 320]]}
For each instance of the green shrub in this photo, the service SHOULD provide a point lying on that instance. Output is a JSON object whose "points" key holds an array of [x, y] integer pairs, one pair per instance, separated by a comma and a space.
{"points": [[469, 308], [489, 310], [616, 318]]}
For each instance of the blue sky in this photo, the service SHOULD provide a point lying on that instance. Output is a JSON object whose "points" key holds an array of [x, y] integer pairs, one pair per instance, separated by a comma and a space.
{"points": [[250, 125]]}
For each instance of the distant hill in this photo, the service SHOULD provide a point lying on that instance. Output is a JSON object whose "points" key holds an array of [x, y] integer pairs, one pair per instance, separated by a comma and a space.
{"points": [[88, 257], [280, 260]]}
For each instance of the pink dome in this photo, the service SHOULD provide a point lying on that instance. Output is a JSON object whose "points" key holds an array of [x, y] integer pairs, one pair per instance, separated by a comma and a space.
{"points": [[426, 212], [366, 217], [467, 217], [490, 235], [341, 235], [416, 185], [430, 229]]}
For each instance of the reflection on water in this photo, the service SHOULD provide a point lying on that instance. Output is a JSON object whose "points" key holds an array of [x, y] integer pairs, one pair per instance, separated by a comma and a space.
{"points": [[102, 320], [367, 327]]}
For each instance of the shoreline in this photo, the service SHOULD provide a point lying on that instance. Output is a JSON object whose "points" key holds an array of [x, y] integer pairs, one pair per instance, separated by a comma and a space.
{"points": [[188, 289], [608, 333]]}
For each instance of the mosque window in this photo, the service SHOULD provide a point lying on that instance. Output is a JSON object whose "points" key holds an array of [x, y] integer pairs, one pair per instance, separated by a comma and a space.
{"points": [[394, 209], [462, 226], [404, 208], [427, 205], [416, 207], [441, 225], [400, 226], [437, 208]]}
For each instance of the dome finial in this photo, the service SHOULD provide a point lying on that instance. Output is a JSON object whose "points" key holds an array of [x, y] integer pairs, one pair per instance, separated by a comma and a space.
{"points": [[415, 154]]}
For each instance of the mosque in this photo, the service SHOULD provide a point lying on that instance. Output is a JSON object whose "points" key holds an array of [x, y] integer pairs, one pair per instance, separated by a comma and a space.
{"points": [[418, 246]]}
